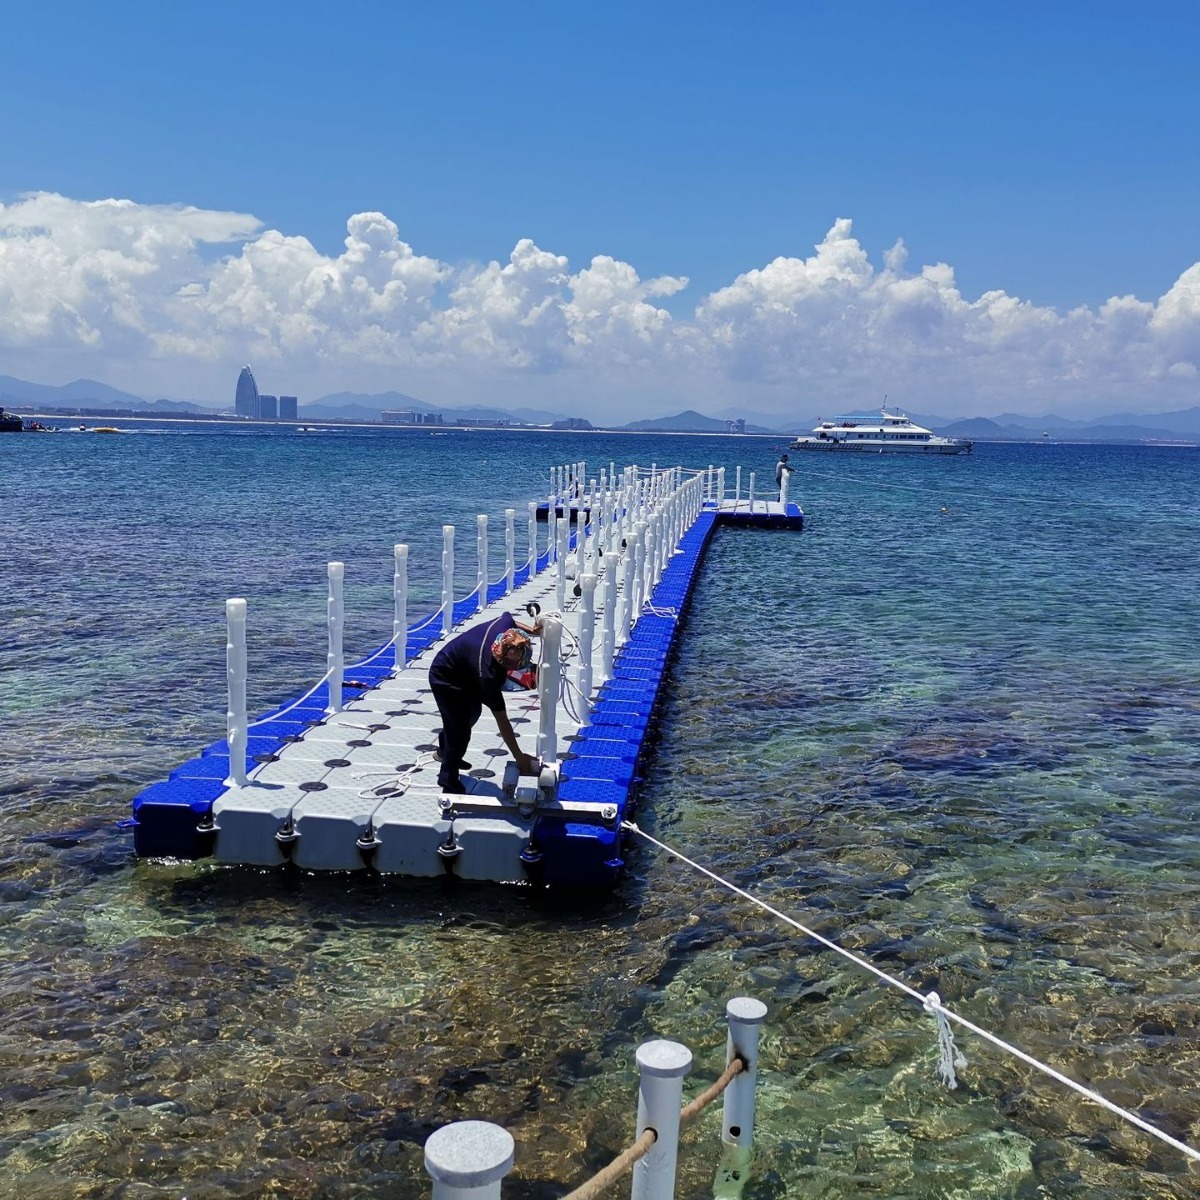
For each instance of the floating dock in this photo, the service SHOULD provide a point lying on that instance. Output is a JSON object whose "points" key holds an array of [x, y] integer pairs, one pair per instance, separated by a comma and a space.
{"points": [[345, 778]]}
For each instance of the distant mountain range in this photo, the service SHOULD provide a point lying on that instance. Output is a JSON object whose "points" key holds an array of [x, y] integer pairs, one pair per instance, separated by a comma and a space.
{"points": [[1182, 425], [690, 421]]}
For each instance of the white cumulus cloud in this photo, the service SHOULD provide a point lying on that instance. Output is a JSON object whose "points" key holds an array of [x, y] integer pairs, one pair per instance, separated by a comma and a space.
{"points": [[171, 294]]}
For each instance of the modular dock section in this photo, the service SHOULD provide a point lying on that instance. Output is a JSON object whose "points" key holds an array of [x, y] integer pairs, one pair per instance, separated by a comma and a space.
{"points": [[346, 779]]}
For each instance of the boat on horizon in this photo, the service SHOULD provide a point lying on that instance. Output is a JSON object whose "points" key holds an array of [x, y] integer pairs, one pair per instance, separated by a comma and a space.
{"points": [[887, 433]]}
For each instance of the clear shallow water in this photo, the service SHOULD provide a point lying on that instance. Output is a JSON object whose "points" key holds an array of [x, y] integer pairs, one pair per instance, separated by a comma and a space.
{"points": [[954, 724]]}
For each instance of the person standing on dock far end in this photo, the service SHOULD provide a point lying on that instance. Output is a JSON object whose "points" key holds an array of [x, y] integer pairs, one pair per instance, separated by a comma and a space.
{"points": [[467, 675], [782, 468]]}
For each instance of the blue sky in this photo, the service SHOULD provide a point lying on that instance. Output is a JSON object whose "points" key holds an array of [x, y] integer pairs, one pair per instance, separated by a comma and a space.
{"points": [[1040, 152]]}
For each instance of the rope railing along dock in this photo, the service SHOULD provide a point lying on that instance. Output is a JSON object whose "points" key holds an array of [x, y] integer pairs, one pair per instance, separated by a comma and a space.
{"points": [[949, 1057], [467, 1160]]}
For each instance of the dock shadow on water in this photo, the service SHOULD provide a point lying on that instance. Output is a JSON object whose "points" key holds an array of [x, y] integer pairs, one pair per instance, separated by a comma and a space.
{"points": [[869, 726]]}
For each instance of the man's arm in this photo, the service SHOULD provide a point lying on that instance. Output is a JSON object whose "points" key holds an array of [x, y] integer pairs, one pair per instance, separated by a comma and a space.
{"points": [[536, 630], [525, 764]]}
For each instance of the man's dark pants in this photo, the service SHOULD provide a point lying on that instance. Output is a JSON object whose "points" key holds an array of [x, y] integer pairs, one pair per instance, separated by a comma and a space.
{"points": [[458, 719]]}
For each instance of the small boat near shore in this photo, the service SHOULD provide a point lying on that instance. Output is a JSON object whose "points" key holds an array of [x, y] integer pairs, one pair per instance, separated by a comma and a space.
{"points": [[888, 433]]}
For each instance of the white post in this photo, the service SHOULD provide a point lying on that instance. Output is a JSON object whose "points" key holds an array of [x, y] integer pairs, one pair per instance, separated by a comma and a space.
{"points": [[649, 560], [400, 613], [533, 539], [552, 532], [709, 492], [548, 689], [235, 674], [587, 627], [468, 1159], [608, 636], [335, 663], [661, 1066], [784, 476], [744, 1015], [481, 548], [564, 548], [447, 579], [626, 614], [510, 548], [737, 488], [752, 491], [720, 486], [639, 572]]}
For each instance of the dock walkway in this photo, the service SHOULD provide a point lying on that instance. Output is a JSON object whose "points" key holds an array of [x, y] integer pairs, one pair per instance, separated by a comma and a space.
{"points": [[354, 786]]}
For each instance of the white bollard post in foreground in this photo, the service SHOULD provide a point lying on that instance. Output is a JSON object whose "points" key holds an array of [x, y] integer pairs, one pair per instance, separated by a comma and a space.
{"points": [[335, 663], [548, 689], [235, 674], [447, 579], [468, 1160], [752, 491], [400, 613], [745, 1015], [662, 1066], [784, 479], [510, 548], [737, 488]]}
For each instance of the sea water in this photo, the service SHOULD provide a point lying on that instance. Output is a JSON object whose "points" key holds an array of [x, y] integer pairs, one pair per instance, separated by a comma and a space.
{"points": [[953, 725]]}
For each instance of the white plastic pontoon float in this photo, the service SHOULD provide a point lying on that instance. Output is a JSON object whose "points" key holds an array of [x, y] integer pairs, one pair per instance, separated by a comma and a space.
{"points": [[345, 779]]}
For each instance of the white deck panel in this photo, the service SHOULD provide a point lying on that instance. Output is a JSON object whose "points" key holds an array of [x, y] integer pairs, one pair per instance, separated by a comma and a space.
{"points": [[490, 847], [247, 820], [410, 828], [288, 772], [328, 825]]}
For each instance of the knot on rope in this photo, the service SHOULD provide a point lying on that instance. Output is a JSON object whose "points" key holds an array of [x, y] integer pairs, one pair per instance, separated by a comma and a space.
{"points": [[950, 1057]]}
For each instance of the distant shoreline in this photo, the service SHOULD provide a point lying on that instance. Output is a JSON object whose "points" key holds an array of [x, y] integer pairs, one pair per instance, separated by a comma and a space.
{"points": [[351, 423], [333, 423]]}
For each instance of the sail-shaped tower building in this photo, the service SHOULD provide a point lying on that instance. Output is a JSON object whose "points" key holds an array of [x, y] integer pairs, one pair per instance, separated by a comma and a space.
{"points": [[245, 402]]}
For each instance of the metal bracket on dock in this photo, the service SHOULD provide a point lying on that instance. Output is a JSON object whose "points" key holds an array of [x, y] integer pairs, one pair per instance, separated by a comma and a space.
{"points": [[287, 837], [576, 811]]}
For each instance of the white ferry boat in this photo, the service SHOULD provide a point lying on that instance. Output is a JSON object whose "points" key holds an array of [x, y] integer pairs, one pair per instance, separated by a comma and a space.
{"points": [[888, 433]]}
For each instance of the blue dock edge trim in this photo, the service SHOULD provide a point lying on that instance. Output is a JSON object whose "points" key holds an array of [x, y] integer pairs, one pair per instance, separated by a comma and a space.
{"points": [[171, 817]]}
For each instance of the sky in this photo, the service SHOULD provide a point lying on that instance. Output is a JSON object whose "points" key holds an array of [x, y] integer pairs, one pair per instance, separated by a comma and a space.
{"points": [[611, 211]]}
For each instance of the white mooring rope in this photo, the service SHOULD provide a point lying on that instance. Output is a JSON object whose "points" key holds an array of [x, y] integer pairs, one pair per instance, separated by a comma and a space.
{"points": [[948, 1052]]}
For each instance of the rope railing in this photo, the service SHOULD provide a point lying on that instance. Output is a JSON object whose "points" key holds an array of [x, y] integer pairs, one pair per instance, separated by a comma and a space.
{"points": [[283, 712], [949, 1056], [609, 1175], [692, 1110]]}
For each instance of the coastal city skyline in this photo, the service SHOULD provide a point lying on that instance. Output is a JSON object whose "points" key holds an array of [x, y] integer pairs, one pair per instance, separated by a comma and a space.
{"points": [[968, 212]]}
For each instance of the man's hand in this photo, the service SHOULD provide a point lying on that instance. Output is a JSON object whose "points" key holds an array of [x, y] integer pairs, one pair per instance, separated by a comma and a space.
{"points": [[526, 764]]}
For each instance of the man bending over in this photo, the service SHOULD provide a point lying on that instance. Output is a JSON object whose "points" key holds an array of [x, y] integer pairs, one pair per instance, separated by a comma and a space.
{"points": [[467, 675]]}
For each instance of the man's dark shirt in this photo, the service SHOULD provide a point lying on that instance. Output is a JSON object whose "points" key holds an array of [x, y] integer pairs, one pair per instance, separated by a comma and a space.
{"points": [[466, 664]]}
